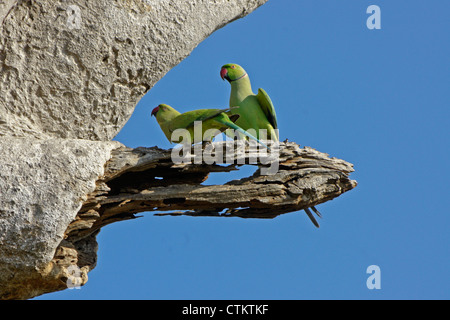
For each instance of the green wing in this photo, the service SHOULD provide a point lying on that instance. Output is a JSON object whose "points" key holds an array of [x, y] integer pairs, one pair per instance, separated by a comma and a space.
{"points": [[187, 119], [267, 107]]}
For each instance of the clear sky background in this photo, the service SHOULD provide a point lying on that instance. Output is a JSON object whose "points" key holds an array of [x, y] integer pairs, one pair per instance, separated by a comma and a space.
{"points": [[379, 99]]}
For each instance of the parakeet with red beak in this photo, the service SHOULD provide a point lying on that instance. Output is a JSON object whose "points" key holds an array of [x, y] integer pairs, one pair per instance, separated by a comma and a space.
{"points": [[256, 111], [170, 119]]}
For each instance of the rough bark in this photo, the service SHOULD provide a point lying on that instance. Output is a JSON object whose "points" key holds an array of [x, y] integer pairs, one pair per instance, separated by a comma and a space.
{"points": [[129, 181], [146, 179]]}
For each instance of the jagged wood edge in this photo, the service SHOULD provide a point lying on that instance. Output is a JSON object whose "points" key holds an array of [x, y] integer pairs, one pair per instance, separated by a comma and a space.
{"points": [[130, 185], [306, 178]]}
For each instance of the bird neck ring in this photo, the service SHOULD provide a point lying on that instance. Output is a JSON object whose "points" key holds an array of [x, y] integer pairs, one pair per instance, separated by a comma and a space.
{"points": [[239, 77]]}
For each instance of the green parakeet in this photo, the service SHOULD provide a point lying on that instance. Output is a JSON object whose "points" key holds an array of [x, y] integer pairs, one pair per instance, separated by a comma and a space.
{"points": [[256, 111], [170, 119]]}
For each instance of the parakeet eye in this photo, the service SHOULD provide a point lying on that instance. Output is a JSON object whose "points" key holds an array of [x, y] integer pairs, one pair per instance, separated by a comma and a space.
{"points": [[233, 66]]}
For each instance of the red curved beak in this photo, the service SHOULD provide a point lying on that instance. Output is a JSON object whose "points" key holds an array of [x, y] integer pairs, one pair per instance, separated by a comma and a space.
{"points": [[154, 111], [223, 73]]}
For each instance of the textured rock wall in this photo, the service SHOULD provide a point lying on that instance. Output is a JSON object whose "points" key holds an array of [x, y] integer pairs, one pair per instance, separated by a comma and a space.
{"points": [[43, 184], [73, 71], [76, 69]]}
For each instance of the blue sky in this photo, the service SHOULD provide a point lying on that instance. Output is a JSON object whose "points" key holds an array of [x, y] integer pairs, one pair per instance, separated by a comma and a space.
{"points": [[376, 98]]}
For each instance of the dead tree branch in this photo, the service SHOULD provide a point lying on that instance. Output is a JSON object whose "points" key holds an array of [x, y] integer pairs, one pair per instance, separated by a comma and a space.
{"points": [[146, 179]]}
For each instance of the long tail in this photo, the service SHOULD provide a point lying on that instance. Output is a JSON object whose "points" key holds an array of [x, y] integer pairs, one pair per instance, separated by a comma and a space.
{"points": [[317, 212], [311, 216], [239, 129]]}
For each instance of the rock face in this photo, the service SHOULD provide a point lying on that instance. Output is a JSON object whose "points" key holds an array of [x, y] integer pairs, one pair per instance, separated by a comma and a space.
{"points": [[76, 69], [70, 72]]}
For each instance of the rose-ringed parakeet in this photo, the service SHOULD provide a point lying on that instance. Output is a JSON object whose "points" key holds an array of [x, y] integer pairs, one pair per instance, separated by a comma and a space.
{"points": [[170, 119], [256, 111]]}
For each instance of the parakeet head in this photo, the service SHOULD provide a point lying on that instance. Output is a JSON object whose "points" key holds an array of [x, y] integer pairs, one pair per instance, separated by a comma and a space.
{"points": [[164, 112], [232, 72]]}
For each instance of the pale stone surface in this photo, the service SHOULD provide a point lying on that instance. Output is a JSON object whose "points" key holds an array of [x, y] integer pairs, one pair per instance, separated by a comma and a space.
{"points": [[43, 185], [76, 69], [70, 72]]}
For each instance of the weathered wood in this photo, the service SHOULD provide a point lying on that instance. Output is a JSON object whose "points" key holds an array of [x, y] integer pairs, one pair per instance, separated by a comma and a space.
{"points": [[146, 179]]}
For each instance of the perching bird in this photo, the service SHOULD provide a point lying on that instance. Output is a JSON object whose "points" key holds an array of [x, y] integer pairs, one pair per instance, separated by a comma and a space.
{"points": [[256, 111], [170, 119]]}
